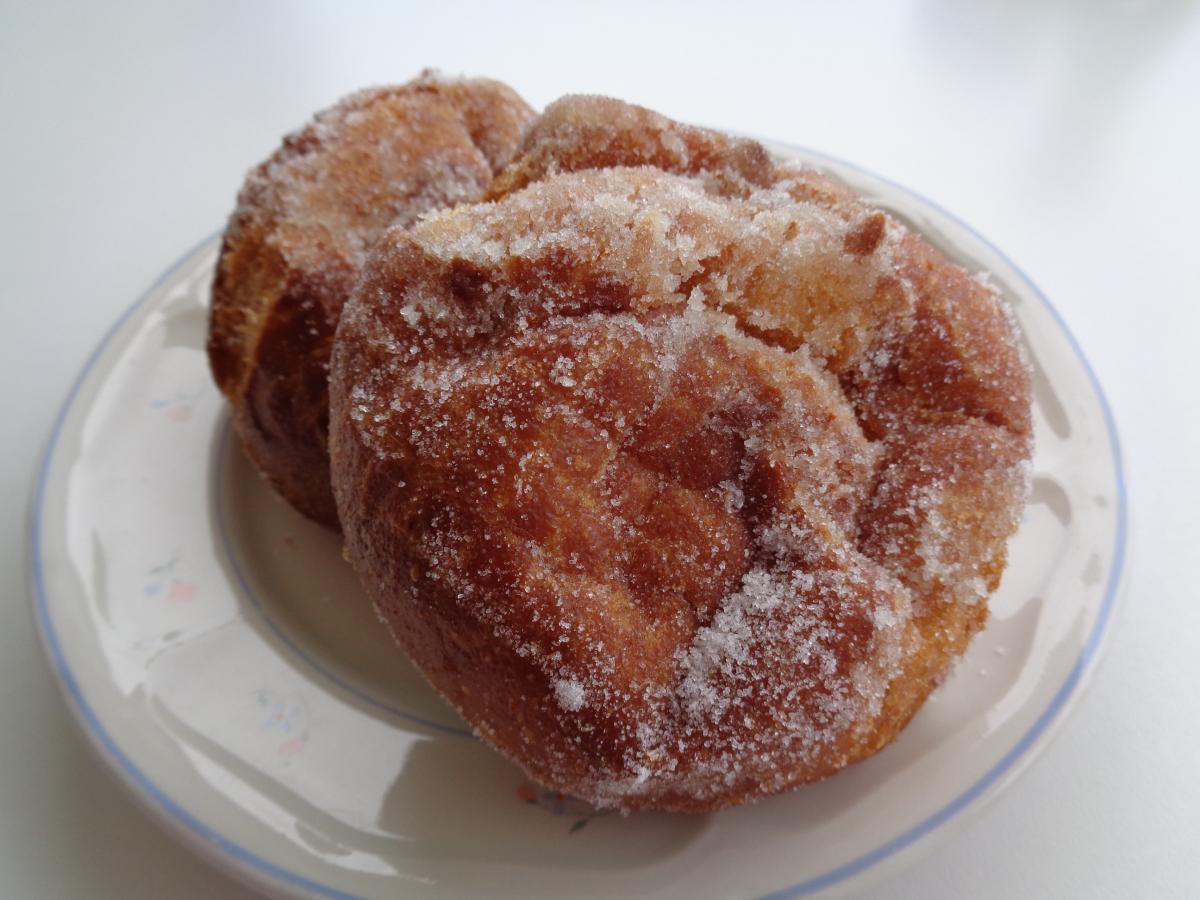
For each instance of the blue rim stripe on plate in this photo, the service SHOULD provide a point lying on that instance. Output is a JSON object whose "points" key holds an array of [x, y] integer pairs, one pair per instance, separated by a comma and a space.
{"points": [[839, 874]]}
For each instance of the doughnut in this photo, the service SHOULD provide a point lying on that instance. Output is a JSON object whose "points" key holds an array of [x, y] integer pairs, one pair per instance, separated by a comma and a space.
{"points": [[679, 471], [300, 232]]}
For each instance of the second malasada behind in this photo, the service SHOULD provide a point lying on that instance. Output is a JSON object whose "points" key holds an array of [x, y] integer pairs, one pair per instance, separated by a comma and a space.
{"points": [[304, 223]]}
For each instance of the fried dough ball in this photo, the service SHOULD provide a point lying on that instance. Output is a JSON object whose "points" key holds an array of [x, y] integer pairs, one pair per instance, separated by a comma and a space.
{"points": [[304, 222], [682, 474]]}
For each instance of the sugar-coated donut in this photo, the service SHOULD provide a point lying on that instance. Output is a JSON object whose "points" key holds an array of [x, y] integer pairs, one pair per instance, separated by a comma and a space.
{"points": [[679, 471], [304, 222]]}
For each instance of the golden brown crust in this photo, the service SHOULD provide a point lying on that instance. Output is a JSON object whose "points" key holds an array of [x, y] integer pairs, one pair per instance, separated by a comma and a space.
{"points": [[293, 248], [684, 483]]}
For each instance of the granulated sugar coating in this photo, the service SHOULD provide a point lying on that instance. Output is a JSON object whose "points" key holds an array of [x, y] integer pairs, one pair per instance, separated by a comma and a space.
{"points": [[680, 472], [304, 222]]}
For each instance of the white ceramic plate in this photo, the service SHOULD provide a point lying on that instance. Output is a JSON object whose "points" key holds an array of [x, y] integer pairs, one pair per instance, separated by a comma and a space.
{"points": [[216, 650]]}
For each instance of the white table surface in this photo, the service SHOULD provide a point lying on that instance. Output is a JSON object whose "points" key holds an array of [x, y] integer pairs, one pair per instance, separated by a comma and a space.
{"points": [[1068, 133]]}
